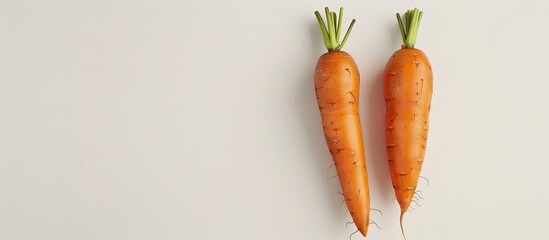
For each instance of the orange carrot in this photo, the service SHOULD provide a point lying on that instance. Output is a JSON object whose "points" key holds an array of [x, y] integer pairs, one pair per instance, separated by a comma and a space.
{"points": [[408, 86], [337, 85]]}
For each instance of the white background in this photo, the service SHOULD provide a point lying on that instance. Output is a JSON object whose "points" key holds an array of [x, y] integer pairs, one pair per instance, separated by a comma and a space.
{"points": [[198, 120]]}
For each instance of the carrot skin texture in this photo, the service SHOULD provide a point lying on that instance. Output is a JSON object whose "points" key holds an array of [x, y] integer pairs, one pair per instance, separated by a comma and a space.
{"points": [[337, 84], [408, 87]]}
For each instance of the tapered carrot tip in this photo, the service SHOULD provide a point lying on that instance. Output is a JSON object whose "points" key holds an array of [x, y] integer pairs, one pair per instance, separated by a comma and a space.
{"points": [[363, 229], [402, 228]]}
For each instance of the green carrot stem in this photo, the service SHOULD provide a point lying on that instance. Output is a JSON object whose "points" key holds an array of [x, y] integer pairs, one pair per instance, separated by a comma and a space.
{"points": [[401, 27], [346, 35], [323, 29], [409, 33], [339, 22], [331, 29]]}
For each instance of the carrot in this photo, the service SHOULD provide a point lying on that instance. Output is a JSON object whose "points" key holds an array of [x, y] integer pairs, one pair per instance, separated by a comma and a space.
{"points": [[337, 85], [408, 86]]}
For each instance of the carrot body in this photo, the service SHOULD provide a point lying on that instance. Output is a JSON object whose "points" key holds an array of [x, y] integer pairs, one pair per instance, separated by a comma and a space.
{"points": [[337, 84], [408, 86]]}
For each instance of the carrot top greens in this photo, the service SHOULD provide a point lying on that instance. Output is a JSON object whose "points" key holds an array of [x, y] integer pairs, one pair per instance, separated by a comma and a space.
{"points": [[331, 33], [409, 34]]}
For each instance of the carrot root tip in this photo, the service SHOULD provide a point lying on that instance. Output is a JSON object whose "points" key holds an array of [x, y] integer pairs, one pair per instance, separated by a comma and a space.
{"points": [[401, 227]]}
